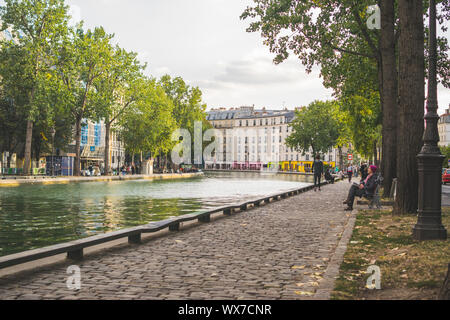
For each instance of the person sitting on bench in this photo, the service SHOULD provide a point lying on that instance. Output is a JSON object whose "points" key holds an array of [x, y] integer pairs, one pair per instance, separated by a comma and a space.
{"points": [[328, 176], [366, 188]]}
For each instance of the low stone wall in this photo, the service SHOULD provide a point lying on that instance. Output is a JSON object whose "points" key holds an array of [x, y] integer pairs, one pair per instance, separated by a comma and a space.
{"points": [[67, 180]]}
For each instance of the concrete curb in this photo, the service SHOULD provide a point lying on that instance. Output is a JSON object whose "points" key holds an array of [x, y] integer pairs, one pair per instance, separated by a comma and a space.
{"points": [[332, 272]]}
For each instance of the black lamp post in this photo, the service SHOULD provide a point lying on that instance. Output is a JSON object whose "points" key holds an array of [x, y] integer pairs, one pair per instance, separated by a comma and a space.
{"points": [[429, 225]]}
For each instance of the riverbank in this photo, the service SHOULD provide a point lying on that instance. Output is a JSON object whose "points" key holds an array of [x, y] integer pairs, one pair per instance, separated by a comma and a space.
{"points": [[66, 180]]}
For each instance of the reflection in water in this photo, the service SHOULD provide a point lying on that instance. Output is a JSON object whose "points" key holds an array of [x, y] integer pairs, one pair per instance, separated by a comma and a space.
{"points": [[37, 216]]}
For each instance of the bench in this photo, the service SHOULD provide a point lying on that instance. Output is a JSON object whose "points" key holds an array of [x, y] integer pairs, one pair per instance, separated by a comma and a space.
{"points": [[375, 200]]}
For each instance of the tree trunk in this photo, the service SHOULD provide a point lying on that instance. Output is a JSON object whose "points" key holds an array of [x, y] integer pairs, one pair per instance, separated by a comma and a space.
{"points": [[77, 169], [411, 103], [388, 93], [107, 149], [375, 153], [341, 159], [28, 141]]}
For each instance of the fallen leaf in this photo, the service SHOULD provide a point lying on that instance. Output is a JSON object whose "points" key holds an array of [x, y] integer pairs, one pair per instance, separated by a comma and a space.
{"points": [[179, 241], [304, 293], [402, 254], [300, 285], [298, 267], [314, 284]]}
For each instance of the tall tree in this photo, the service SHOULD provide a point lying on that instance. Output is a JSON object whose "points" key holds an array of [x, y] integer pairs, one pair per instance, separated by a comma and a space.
{"points": [[388, 80], [314, 127], [117, 89], [411, 103], [83, 58], [148, 125], [39, 24], [188, 106]]}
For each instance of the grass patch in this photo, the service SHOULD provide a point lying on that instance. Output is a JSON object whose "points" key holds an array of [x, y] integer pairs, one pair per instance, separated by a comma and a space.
{"points": [[409, 269]]}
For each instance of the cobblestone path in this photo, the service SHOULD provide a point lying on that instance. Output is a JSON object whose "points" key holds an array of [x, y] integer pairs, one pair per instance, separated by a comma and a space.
{"points": [[278, 251]]}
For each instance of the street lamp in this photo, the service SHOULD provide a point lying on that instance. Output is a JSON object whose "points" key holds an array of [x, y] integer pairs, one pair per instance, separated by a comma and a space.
{"points": [[429, 225]]}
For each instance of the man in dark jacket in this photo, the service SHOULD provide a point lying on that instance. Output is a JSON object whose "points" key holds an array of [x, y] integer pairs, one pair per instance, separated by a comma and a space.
{"points": [[329, 176], [366, 188], [318, 172]]}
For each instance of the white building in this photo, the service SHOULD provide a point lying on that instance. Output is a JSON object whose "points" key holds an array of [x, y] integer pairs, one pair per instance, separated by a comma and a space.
{"points": [[252, 139], [444, 129]]}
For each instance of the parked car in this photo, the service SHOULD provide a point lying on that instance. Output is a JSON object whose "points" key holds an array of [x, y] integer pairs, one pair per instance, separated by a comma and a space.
{"points": [[446, 176]]}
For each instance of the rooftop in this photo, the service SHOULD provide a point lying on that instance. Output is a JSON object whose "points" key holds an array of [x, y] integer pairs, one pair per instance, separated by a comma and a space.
{"points": [[246, 112]]}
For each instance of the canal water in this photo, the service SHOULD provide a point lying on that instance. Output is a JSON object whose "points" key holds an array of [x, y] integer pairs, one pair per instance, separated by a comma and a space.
{"points": [[38, 216]]}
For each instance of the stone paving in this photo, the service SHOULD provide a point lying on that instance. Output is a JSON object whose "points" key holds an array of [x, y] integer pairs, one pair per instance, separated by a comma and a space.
{"points": [[278, 251]]}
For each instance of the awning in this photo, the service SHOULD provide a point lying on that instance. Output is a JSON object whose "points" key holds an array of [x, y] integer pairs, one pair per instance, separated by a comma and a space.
{"points": [[93, 153]]}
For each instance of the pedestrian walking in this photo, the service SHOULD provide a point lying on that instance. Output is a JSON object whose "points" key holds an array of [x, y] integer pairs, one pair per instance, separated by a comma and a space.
{"points": [[318, 172], [350, 173]]}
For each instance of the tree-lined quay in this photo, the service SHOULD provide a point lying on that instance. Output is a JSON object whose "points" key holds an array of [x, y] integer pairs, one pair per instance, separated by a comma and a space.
{"points": [[73, 102]]}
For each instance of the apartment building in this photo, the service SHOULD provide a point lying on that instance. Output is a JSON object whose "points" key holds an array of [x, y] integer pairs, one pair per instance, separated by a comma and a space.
{"points": [[444, 129], [254, 139]]}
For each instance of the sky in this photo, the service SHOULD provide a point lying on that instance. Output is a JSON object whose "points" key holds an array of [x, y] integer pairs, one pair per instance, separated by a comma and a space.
{"points": [[206, 43]]}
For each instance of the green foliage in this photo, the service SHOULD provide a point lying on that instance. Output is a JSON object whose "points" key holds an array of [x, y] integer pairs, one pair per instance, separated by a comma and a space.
{"points": [[37, 27], [187, 102], [315, 127], [148, 125], [119, 85]]}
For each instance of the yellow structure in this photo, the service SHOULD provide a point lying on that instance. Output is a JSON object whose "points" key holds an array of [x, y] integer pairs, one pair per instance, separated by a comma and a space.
{"points": [[301, 166]]}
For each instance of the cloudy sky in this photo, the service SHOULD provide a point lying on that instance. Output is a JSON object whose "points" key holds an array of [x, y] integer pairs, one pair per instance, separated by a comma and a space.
{"points": [[205, 42]]}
